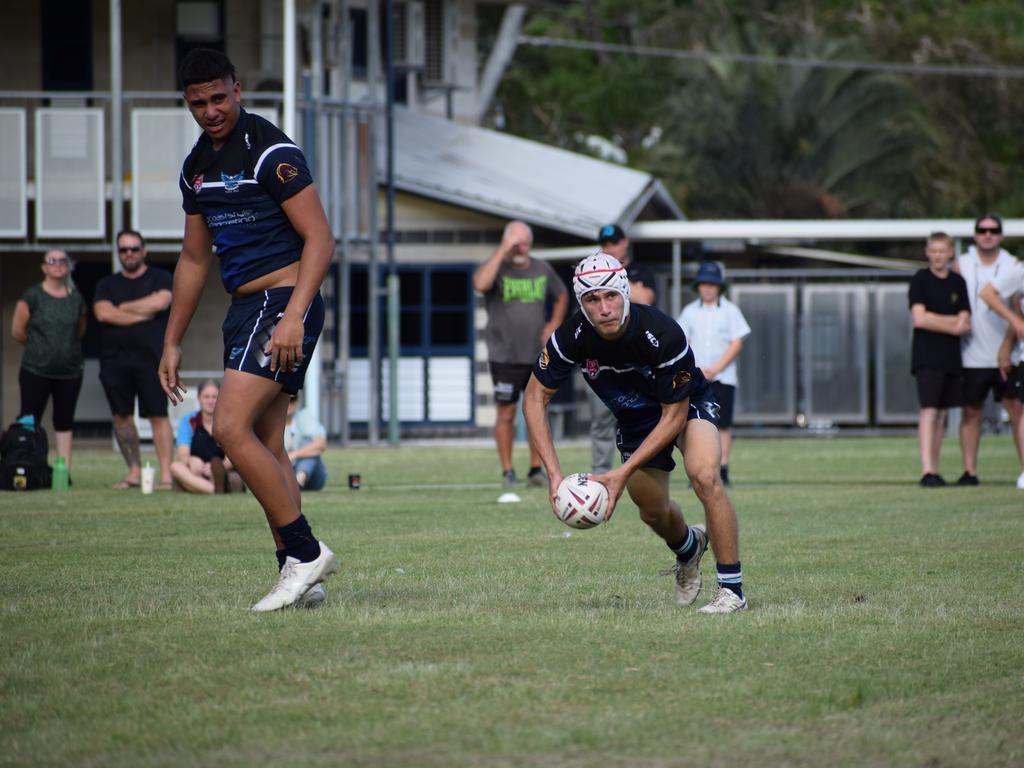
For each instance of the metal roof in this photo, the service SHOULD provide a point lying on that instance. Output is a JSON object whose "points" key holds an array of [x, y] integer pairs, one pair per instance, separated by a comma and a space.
{"points": [[515, 178]]}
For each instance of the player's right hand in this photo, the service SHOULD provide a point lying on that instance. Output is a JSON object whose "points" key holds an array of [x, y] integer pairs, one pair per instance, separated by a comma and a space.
{"points": [[615, 482], [168, 373]]}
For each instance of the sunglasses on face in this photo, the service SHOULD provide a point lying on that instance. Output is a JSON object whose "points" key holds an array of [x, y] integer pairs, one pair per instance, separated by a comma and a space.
{"points": [[129, 248], [56, 261], [988, 231]]}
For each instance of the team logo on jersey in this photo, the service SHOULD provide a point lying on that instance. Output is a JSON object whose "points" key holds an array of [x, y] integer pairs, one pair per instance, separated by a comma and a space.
{"points": [[197, 182], [593, 368], [650, 338], [544, 359], [681, 379], [578, 331], [232, 180], [248, 145], [286, 172]]}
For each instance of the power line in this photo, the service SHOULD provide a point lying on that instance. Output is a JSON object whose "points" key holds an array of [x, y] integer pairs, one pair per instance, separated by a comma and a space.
{"points": [[954, 70]]}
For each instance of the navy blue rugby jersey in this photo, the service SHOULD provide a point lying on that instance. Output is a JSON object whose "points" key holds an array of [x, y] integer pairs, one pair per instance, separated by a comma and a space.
{"points": [[650, 365], [239, 190]]}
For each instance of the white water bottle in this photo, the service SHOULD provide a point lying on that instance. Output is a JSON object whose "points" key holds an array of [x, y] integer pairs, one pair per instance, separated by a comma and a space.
{"points": [[148, 476]]}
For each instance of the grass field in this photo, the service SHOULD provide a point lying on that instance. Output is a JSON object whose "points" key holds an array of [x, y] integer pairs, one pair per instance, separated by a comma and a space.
{"points": [[886, 623]]}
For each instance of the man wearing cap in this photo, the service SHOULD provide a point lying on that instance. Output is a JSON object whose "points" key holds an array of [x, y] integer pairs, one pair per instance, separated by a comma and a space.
{"points": [[716, 329], [613, 241], [982, 264], [516, 289], [637, 359]]}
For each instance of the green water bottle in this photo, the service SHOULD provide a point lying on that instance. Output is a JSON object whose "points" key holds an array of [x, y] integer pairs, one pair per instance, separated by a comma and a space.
{"points": [[60, 475]]}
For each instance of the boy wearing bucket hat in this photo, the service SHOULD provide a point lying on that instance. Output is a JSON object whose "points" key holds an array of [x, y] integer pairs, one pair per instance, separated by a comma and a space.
{"points": [[716, 329], [638, 361]]}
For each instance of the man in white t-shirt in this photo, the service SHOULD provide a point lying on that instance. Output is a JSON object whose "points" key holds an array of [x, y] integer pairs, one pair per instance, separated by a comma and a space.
{"points": [[1008, 287], [982, 264], [716, 329]]}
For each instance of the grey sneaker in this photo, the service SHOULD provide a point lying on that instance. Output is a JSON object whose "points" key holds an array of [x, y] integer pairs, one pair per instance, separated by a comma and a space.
{"points": [[313, 597], [687, 575], [296, 578], [725, 601], [509, 478], [536, 478]]}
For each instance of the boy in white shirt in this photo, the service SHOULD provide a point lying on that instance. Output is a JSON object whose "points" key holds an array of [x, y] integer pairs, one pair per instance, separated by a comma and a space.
{"points": [[716, 329]]}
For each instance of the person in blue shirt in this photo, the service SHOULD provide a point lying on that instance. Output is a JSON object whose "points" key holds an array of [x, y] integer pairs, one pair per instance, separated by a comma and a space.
{"points": [[246, 189], [637, 360], [200, 465]]}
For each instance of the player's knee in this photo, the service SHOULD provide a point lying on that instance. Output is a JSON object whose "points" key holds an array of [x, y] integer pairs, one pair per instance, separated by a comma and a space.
{"points": [[225, 433], [706, 481], [653, 514]]}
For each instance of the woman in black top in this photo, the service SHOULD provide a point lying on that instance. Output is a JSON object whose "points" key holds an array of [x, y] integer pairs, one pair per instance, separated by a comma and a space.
{"points": [[49, 319]]}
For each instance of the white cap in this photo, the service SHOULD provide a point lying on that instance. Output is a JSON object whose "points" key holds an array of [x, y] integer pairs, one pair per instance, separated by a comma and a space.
{"points": [[601, 272]]}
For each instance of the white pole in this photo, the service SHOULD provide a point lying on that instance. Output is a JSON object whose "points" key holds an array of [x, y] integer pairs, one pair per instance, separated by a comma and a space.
{"points": [[312, 383]]}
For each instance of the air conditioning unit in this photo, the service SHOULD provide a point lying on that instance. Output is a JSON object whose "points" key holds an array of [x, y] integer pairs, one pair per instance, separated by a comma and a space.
{"points": [[410, 34]]}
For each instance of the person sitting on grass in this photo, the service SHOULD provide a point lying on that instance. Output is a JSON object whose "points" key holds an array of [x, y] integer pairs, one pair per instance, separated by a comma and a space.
{"points": [[305, 439], [200, 465]]}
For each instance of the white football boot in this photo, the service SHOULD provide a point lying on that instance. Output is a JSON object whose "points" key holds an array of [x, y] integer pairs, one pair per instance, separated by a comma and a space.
{"points": [[725, 601], [687, 575], [1020, 482], [313, 597], [296, 578]]}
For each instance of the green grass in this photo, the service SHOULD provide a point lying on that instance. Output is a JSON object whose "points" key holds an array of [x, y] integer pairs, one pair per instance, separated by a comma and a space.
{"points": [[885, 624]]}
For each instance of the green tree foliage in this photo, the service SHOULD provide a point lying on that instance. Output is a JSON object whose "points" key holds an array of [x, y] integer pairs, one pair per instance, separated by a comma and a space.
{"points": [[772, 139]]}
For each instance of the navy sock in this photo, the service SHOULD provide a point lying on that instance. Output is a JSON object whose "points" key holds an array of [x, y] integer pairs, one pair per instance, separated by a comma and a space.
{"points": [[281, 555], [685, 549], [298, 540], [730, 576]]}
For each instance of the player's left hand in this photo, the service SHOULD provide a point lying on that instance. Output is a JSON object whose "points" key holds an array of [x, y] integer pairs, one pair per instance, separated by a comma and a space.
{"points": [[554, 480], [285, 346], [615, 482]]}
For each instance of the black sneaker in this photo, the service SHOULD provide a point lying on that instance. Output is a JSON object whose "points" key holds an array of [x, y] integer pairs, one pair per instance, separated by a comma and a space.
{"points": [[968, 479], [724, 473], [509, 478], [536, 477], [931, 481]]}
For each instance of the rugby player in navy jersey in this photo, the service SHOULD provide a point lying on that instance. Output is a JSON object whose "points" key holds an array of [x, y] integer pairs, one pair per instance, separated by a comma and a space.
{"points": [[246, 190], [637, 360]]}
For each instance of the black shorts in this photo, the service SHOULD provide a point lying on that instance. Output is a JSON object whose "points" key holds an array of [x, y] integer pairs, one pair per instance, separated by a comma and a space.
{"points": [[131, 374], [978, 382], [1015, 383], [725, 396], [509, 380], [250, 323], [627, 441], [939, 389]]}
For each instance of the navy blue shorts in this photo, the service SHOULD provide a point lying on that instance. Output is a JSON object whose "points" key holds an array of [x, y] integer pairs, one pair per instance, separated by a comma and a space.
{"points": [[249, 325], [627, 441]]}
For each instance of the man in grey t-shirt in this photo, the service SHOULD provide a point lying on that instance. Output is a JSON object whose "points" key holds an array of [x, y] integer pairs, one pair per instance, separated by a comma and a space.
{"points": [[516, 289]]}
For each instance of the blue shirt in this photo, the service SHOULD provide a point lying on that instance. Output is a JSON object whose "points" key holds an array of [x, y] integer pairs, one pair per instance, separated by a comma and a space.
{"points": [[239, 190]]}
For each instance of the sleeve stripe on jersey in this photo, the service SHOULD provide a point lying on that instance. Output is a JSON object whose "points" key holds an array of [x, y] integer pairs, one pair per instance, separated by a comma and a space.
{"points": [[677, 358], [267, 151], [554, 343]]}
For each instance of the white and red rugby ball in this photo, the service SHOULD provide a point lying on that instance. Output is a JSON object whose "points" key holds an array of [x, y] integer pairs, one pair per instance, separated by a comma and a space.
{"points": [[581, 502]]}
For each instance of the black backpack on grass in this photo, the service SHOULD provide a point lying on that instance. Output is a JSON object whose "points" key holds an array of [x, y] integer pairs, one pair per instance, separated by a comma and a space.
{"points": [[23, 464]]}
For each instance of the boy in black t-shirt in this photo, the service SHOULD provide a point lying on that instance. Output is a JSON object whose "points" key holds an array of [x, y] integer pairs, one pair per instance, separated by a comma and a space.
{"points": [[941, 312]]}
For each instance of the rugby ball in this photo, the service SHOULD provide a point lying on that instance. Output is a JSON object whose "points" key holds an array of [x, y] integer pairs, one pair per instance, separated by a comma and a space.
{"points": [[581, 502]]}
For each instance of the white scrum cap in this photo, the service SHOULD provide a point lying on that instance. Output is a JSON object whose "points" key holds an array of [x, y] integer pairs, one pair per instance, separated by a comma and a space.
{"points": [[601, 272]]}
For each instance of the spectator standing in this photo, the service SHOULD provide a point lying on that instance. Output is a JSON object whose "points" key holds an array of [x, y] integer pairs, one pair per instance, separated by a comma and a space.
{"points": [[200, 465], [49, 319], [941, 314], [979, 349], [131, 306], [611, 239], [1009, 287], [305, 439], [716, 329], [516, 289]]}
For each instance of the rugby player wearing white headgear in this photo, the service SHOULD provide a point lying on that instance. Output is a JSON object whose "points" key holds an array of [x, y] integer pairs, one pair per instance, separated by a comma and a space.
{"points": [[637, 360]]}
